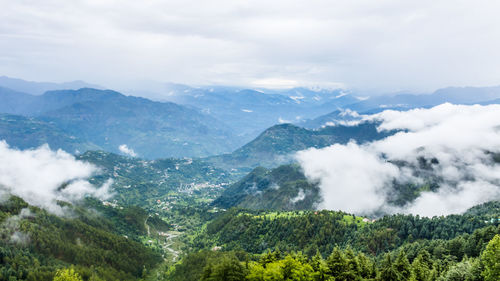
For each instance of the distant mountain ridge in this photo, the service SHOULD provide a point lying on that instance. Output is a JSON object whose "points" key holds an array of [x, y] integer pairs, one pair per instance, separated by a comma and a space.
{"points": [[455, 95], [250, 111], [38, 88], [108, 119]]}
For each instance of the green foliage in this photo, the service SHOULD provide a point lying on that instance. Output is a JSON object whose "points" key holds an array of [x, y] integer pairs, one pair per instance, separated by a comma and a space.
{"points": [[209, 265], [228, 268], [34, 247], [491, 260], [67, 274], [309, 231], [342, 265], [402, 267], [388, 272], [276, 189]]}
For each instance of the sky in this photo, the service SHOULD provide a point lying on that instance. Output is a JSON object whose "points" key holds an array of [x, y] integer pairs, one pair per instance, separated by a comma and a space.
{"points": [[372, 46]]}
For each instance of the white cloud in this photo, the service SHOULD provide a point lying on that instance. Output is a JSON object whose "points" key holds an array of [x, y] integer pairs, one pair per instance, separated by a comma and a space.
{"points": [[384, 45], [42, 176], [126, 150], [351, 178], [300, 196], [459, 138], [283, 121]]}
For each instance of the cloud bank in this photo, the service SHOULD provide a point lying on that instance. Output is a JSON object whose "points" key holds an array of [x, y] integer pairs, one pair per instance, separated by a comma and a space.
{"points": [[453, 146], [42, 176]]}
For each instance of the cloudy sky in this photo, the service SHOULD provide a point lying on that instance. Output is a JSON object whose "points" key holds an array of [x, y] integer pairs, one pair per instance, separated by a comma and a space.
{"points": [[384, 45]]}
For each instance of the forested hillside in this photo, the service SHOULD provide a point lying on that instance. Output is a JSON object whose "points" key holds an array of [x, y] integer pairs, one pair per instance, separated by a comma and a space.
{"points": [[320, 245], [278, 144], [35, 243], [282, 188]]}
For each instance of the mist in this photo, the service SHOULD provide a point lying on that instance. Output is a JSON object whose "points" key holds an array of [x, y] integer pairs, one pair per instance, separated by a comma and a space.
{"points": [[451, 145], [42, 177]]}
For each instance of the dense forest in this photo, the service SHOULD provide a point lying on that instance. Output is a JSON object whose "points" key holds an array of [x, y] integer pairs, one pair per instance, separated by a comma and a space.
{"points": [[99, 246], [326, 245]]}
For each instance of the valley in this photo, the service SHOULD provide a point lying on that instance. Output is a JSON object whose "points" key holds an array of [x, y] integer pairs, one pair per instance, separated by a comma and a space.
{"points": [[215, 208]]}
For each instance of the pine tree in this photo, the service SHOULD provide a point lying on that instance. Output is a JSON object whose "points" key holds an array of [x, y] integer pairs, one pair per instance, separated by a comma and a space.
{"points": [[402, 266], [319, 267], [336, 263], [387, 272]]}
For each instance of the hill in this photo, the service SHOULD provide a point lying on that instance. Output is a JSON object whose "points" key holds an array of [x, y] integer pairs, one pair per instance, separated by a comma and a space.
{"points": [[277, 144], [34, 243], [333, 244], [282, 188]]}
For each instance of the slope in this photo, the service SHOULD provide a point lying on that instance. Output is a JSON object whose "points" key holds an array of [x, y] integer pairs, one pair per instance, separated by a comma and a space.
{"points": [[35, 243], [277, 144], [27, 132], [282, 188], [109, 119]]}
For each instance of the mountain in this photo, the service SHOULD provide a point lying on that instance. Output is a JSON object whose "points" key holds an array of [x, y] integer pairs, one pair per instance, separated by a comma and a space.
{"points": [[109, 119], [282, 188], [455, 95], [324, 98], [335, 118], [277, 144], [14, 102], [250, 111], [38, 88], [28, 132]]}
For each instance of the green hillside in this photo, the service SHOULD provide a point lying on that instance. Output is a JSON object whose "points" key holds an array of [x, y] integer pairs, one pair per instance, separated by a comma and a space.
{"points": [[282, 188], [35, 243], [326, 245], [277, 144], [27, 132]]}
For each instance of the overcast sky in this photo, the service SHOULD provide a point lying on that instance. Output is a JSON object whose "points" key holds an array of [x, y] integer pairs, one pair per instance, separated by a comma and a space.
{"points": [[370, 45]]}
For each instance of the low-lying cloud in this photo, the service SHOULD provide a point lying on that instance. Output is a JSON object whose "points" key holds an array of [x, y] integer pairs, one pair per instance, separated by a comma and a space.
{"points": [[450, 145], [126, 150], [42, 177]]}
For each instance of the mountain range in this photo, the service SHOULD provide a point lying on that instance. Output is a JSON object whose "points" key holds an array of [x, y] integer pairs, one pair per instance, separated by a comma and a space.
{"points": [[107, 119], [240, 125]]}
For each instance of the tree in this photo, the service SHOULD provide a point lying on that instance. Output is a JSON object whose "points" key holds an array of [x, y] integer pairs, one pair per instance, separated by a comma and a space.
{"points": [[459, 272], [387, 272], [491, 260], [67, 274], [336, 263], [402, 266], [228, 268], [319, 267], [422, 266]]}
